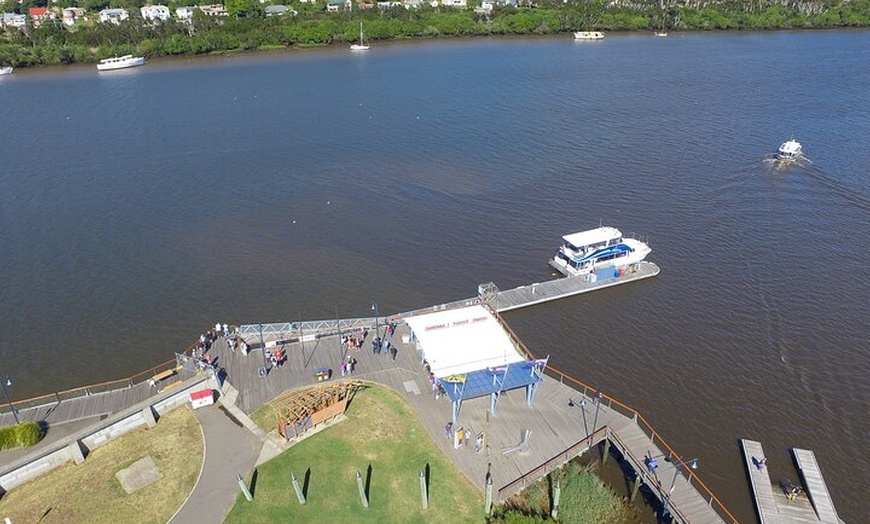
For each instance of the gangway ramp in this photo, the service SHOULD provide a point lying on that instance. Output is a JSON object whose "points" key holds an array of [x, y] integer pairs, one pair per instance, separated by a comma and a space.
{"points": [[815, 486]]}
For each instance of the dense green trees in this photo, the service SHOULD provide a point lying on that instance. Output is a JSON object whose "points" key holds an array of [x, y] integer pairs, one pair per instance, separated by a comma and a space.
{"points": [[53, 43]]}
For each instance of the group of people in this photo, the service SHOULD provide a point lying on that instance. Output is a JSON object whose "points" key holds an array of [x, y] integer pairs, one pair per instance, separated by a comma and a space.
{"points": [[437, 388], [355, 342], [348, 367]]}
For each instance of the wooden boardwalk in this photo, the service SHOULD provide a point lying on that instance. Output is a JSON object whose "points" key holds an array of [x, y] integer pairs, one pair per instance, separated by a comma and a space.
{"points": [[538, 293], [771, 501], [560, 418], [815, 485]]}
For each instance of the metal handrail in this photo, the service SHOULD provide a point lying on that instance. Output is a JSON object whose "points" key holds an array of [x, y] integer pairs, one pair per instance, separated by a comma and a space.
{"points": [[91, 389], [632, 413]]}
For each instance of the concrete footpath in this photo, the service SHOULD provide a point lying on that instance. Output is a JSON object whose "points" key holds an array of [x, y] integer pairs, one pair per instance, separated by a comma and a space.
{"points": [[230, 449]]}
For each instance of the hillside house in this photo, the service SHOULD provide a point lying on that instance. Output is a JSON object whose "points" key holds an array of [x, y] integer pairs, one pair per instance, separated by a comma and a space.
{"points": [[13, 20], [71, 15], [113, 16], [155, 12], [38, 15]]}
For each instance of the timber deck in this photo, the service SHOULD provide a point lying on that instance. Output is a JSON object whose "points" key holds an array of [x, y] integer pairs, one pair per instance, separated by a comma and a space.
{"points": [[558, 430], [538, 293], [815, 485], [771, 502]]}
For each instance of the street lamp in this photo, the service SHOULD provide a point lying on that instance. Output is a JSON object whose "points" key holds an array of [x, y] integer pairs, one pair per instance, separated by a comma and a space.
{"points": [[583, 408], [690, 463], [6, 383], [377, 317], [264, 371]]}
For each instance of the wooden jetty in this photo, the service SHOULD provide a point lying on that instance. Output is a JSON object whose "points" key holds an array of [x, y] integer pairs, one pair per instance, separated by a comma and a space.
{"points": [[538, 293], [779, 503], [815, 485]]}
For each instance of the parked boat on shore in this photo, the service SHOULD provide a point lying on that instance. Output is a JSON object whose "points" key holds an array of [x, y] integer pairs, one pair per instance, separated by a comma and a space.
{"points": [[5, 71], [361, 46], [120, 62], [588, 35], [586, 251]]}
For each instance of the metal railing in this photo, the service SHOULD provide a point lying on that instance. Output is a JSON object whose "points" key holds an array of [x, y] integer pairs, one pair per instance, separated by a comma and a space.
{"points": [[638, 419], [285, 331], [93, 389]]}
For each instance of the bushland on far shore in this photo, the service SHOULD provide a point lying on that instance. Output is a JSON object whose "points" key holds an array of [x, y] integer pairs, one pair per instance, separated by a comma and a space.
{"points": [[246, 28]]}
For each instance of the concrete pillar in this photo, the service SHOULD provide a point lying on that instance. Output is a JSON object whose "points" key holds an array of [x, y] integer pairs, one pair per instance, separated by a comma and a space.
{"points": [[75, 451], [299, 494], [424, 491], [606, 449], [362, 490], [148, 415]]}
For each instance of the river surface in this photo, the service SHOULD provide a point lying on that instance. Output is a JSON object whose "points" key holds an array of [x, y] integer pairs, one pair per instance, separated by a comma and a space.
{"points": [[139, 207]]}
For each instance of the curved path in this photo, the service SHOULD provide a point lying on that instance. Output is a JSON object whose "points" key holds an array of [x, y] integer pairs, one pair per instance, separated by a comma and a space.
{"points": [[230, 449]]}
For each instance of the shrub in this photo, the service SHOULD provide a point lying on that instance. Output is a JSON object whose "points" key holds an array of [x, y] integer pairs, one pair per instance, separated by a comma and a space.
{"points": [[25, 434]]}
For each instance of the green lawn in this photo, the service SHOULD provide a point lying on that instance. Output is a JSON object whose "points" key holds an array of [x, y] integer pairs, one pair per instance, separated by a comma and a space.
{"points": [[381, 431], [91, 493]]}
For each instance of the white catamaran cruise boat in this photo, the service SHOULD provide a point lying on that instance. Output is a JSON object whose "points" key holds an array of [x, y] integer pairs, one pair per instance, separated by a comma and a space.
{"points": [[790, 150], [584, 252], [120, 62]]}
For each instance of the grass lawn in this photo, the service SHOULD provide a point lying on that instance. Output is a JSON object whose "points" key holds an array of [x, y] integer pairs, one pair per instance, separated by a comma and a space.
{"points": [[91, 493], [381, 431]]}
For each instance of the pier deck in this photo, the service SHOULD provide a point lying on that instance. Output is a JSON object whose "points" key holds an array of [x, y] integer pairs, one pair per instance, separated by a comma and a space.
{"points": [[815, 485], [541, 292], [559, 430], [771, 502]]}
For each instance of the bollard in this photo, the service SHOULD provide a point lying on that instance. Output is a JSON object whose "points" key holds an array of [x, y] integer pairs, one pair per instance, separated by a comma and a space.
{"points": [[488, 502], [362, 490], [557, 494], [298, 488], [424, 493], [244, 488]]}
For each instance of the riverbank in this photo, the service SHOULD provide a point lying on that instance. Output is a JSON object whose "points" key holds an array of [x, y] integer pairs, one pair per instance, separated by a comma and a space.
{"points": [[51, 45]]}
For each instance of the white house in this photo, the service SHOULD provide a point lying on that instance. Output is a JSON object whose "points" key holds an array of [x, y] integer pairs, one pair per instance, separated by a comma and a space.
{"points": [[13, 20], [454, 3], [214, 10], [155, 12], [339, 5], [278, 10], [185, 14], [114, 16], [71, 15]]}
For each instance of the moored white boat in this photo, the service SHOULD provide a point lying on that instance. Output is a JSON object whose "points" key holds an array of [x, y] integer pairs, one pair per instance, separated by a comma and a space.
{"points": [[661, 33], [5, 70], [120, 62], [789, 150], [361, 46], [588, 35], [587, 251]]}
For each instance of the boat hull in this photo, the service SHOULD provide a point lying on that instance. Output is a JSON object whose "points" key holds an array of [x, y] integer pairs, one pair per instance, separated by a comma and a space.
{"points": [[357, 47], [112, 66], [588, 35], [6, 70]]}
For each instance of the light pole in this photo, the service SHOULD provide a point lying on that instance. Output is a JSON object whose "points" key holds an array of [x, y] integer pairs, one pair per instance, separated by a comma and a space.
{"points": [[583, 408], [597, 401], [377, 318], [690, 463], [265, 370], [6, 383]]}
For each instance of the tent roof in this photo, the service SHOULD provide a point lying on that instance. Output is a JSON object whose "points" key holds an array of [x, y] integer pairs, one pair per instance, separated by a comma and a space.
{"points": [[463, 340]]}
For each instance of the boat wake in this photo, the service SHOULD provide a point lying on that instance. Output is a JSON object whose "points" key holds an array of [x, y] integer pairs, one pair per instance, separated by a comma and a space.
{"points": [[836, 186]]}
